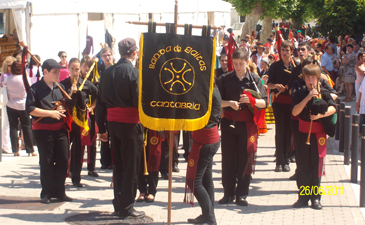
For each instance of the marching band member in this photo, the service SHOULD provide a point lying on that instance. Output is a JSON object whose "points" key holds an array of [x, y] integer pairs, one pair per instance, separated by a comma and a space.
{"points": [[199, 180], [50, 133], [88, 92], [238, 144], [279, 79], [118, 103], [310, 156]]}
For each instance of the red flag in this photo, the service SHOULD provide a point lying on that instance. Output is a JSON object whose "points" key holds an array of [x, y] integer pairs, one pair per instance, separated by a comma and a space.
{"points": [[231, 48], [259, 114], [278, 42]]}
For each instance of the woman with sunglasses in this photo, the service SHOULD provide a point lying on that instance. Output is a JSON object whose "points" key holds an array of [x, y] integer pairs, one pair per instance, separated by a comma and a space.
{"points": [[64, 73]]}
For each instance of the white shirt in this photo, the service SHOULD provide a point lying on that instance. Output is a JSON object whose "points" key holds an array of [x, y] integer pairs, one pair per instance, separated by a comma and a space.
{"points": [[362, 101], [259, 60], [16, 92]]}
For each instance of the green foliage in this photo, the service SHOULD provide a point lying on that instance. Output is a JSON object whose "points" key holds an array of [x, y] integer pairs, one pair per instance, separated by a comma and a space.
{"points": [[341, 17], [298, 10]]}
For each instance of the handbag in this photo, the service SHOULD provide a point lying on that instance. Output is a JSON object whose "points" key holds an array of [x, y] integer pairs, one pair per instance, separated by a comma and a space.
{"points": [[4, 93]]}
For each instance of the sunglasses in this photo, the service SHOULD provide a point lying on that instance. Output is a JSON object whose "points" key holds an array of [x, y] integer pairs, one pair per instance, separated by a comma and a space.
{"points": [[108, 55], [63, 56]]}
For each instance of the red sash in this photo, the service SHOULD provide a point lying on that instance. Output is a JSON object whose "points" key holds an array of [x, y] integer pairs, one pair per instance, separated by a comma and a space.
{"points": [[200, 138], [154, 150], [243, 115], [251, 130], [317, 128], [283, 99], [47, 126], [123, 115]]}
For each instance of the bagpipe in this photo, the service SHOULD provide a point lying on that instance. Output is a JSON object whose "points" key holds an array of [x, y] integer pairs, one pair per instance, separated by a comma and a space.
{"points": [[319, 105]]}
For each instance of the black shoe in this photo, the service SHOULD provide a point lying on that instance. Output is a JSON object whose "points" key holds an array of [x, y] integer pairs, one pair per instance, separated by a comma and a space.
{"points": [[134, 214], [175, 169], [46, 200], [301, 203], [294, 177], [111, 167], [165, 176], [77, 184], [104, 167], [207, 223], [316, 204], [226, 200], [278, 168], [93, 174], [286, 168], [199, 219], [241, 201], [65, 198], [292, 159]]}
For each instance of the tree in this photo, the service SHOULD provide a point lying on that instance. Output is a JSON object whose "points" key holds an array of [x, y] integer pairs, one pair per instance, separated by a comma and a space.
{"points": [[339, 18], [297, 10]]}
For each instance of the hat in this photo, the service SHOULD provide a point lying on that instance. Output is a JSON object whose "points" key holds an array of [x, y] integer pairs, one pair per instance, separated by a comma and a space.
{"points": [[299, 31], [245, 40], [269, 39], [225, 37], [259, 45], [267, 45], [127, 45], [266, 60], [50, 64]]}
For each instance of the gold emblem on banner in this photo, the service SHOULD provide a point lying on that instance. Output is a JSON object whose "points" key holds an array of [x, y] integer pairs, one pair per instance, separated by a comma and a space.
{"points": [[191, 162], [322, 141], [177, 76], [154, 140], [252, 139]]}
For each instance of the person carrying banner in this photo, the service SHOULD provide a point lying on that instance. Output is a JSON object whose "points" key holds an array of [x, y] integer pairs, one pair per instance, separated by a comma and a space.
{"points": [[199, 180], [147, 185], [239, 144], [279, 79], [315, 107], [50, 133], [78, 134], [118, 103]]}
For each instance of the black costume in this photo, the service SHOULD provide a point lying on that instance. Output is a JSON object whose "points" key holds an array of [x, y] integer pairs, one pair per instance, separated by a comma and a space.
{"points": [[234, 140], [118, 103], [282, 112], [105, 150], [89, 92], [309, 160], [52, 140], [203, 183]]}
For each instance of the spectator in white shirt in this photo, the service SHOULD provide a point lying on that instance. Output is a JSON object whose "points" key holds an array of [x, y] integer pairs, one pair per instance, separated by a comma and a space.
{"points": [[16, 109]]}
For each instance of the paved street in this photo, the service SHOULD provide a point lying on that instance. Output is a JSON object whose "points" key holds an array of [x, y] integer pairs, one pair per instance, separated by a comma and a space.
{"points": [[270, 199]]}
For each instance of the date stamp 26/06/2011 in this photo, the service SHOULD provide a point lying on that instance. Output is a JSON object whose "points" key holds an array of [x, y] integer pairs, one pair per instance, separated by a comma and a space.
{"points": [[322, 190]]}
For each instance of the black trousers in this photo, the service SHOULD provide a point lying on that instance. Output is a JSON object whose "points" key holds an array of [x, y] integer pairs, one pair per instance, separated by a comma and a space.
{"points": [[234, 159], [53, 147], [127, 144], [105, 154], [307, 164], [147, 183], [187, 142], [14, 116], [164, 166], [294, 125], [75, 164], [282, 113], [92, 156], [203, 183]]}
